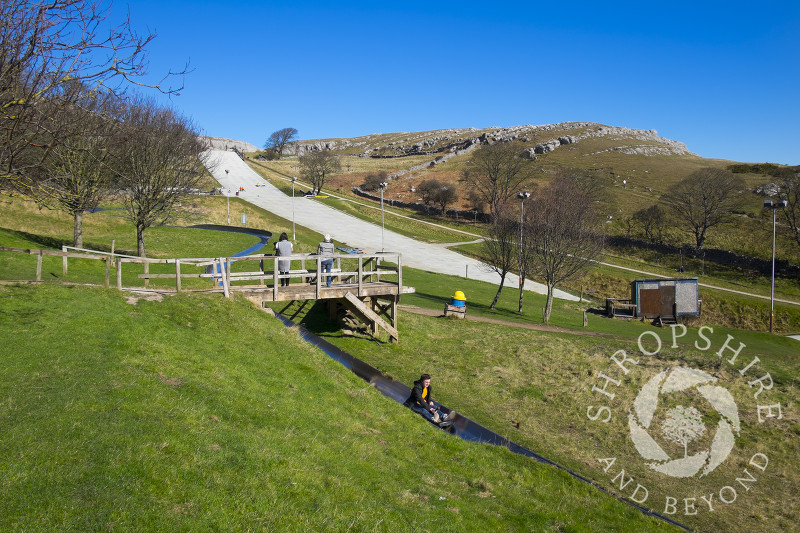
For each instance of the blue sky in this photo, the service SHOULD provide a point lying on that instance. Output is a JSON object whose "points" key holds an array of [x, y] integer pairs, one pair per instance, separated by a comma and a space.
{"points": [[722, 77]]}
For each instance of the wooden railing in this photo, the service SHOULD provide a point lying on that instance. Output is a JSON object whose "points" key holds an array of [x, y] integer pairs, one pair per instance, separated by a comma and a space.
{"points": [[354, 269]]}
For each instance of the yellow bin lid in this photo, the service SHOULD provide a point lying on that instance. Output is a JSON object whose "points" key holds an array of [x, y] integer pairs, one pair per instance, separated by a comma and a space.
{"points": [[459, 296]]}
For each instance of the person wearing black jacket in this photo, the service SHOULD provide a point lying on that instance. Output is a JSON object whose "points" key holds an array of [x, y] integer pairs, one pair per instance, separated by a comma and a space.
{"points": [[421, 400]]}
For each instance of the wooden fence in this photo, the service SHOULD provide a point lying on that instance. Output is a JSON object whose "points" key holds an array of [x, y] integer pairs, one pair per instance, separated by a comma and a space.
{"points": [[251, 272]]}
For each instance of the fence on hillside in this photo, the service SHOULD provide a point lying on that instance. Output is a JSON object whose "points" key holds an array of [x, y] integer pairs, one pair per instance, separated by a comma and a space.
{"points": [[217, 274]]}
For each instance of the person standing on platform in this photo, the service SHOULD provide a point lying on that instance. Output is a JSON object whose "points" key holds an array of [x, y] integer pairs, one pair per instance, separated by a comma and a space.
{"points": [[326, 251], [283, 248]]}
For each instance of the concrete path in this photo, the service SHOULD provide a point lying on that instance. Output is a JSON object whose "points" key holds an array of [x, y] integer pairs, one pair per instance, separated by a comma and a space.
{"points": [[232, 173]]}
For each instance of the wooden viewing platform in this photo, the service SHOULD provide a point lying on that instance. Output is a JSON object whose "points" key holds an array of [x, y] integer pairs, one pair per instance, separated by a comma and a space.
{"points": [[368, 285]]}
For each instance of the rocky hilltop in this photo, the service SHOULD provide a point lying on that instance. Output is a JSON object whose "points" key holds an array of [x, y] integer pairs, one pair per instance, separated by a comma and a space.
{"points": [[540, 140], [219, 143]]}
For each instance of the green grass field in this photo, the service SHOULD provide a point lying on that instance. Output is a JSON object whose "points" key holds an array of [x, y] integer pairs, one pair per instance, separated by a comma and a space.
{"points": [[200, 413]]}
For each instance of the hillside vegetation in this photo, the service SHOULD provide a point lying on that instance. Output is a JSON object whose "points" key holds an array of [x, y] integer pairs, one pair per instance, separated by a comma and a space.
{"points": [[635, 166]]}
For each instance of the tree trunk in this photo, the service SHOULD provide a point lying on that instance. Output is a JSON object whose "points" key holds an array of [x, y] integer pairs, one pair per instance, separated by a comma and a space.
{"points": [[548, 307], [500, 288], [77, 240], [140, 241]]}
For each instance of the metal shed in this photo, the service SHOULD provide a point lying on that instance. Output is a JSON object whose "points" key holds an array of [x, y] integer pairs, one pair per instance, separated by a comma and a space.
{"points": [[665, 298]]}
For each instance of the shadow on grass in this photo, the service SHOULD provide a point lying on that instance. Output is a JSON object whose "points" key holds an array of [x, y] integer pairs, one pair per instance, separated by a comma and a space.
{"points": [[42, 240], [313, 315], [434, 301]]}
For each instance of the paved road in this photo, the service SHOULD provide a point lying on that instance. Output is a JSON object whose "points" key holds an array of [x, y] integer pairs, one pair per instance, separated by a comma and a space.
{"points": [[232, 173]]}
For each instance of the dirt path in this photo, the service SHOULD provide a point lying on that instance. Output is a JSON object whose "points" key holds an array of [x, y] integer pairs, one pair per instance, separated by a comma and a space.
{"points": [[538, 327]]}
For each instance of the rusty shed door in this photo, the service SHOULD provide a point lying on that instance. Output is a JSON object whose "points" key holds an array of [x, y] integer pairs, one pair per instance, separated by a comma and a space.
{"points": [[650, 302]]}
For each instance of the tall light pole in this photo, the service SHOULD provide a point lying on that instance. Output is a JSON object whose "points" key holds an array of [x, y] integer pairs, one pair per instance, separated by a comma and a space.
{"points": [[522, 196], [294, 179], [769, 204], [228, 196], [382, 185]]}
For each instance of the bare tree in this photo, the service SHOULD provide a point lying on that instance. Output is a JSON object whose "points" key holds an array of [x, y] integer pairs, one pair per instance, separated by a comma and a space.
{"points": [[705, 199], [790, 191], [445, 196], [278, 140], [500, 249], [372, 182], [526, 249], [560, 234], [46, 47], [160, 159], [652, 220], [496, 172], [427, 189], [317, 166], [77, 175]]}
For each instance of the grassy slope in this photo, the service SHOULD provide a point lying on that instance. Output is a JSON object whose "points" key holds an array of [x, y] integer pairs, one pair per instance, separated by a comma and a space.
{"points": [[198, 413], [501, 376], [559, 436]]}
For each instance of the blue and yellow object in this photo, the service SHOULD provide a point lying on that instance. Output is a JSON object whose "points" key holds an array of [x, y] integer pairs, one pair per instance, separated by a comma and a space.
{"points": [[459, 300]]}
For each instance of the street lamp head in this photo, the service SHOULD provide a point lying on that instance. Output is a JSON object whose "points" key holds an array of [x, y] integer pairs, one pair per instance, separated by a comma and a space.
{"points": [[523, 195], [383, 185], [780, 204], [294, 179]]}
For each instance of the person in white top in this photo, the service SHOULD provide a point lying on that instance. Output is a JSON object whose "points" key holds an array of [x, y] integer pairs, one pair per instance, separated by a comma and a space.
{"points": [[283, 248]]}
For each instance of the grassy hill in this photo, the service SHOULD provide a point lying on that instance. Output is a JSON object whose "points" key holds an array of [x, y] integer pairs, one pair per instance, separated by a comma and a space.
{"points": [[199, 413], [611, 153], [647, 164]]}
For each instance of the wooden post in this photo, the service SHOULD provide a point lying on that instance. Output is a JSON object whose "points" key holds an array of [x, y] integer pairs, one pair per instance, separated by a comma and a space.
{"points": [[319, 277], [119, 273], [399, 276], [394, 314], [39, 266], [222, 273], [275, 279], [178, 275], [107, 282], [64, 262], [147, 272], [360, 273], [585, 318], [261, 267]]}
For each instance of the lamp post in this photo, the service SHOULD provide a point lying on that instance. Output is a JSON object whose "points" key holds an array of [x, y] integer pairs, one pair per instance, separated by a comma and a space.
{"points": [[522, 196], [294, 179], [228, 196], [769, 204], [383, 186]]}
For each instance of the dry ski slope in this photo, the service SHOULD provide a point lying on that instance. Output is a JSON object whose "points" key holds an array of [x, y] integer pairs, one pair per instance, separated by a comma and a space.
{"points": [[231, 172]]}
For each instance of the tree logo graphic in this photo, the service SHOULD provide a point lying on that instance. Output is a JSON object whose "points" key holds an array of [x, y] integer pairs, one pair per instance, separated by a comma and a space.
{"points": [[683, 425]]}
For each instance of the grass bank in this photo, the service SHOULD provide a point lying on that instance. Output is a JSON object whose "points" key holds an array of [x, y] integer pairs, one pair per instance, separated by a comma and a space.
{"points": [[200, 413]]}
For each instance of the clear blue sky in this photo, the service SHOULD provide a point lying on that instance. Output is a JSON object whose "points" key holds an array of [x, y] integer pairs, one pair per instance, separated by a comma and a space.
{"points": [[722, 77]]}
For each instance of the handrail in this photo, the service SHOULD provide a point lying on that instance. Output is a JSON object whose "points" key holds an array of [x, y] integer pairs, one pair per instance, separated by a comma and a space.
{"points": [[367, 267]]}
